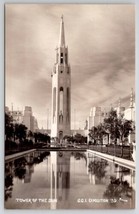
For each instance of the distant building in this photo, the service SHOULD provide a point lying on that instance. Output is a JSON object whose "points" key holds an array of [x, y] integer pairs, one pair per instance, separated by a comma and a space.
{"points": [[16, 115], [29, 120], [120, 109], [95, 117], [35, 124], [129, 113]]}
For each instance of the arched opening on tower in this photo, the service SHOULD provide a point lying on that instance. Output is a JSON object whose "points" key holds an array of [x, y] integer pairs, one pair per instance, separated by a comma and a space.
{"points": [[61, 58], [66, 59], [68, 103], [61, 103], [54, 103]]}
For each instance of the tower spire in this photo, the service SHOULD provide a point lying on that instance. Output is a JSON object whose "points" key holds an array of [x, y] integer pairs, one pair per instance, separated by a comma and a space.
{"points": [[62, 34], [61, 90]]}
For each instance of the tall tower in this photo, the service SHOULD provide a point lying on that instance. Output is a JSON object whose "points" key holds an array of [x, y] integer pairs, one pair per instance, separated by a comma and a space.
{"points": [[61, 89]]}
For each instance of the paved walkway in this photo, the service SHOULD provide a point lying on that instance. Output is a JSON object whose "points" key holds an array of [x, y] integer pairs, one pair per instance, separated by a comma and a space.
{"points": [[18, 155], [123, 162]]}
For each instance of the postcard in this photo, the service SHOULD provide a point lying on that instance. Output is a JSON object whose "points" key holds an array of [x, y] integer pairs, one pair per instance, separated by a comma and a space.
{"points": [[70, 106]]}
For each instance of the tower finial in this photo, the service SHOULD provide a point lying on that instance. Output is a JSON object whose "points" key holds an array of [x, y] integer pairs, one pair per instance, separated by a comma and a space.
{"points": [[62, 34]]}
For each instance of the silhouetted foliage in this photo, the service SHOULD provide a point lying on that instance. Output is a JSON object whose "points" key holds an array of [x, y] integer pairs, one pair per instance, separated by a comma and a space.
{"points": [[41, 138], [117, 188], [20, 131], [8, 186], [97, 167], [8, 127]]}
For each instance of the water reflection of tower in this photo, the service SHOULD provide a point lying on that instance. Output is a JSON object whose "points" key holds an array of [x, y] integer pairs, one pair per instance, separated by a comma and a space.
{"points": [[60, 177], [53, 179], [63, 172]]}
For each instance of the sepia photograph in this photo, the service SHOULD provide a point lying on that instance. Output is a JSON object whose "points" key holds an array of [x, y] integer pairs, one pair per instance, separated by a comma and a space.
{"points": [[70, 110]]}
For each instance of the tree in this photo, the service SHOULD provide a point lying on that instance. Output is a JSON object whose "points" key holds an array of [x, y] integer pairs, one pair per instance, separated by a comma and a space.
{"points": [[110, 125], [97, 133], [68, 138], [30, 134], [41, 138], [100, 132], [124, 127], [117, 188], [78, 138], [98, 168], [93, 134], [8, 127], [20, 131]]}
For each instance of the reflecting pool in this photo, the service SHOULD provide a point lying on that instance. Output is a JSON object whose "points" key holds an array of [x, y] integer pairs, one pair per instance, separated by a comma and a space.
{"points": [[67, 180]]}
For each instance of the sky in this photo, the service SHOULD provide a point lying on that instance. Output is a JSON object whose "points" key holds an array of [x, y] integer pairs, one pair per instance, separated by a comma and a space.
{"points": [[101, 43]]}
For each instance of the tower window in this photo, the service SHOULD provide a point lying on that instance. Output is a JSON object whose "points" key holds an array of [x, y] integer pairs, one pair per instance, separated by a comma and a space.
{"points": [[54, 103], [61, 103], [61, 72], [61, 58], [66, 58], [68, 104]]}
